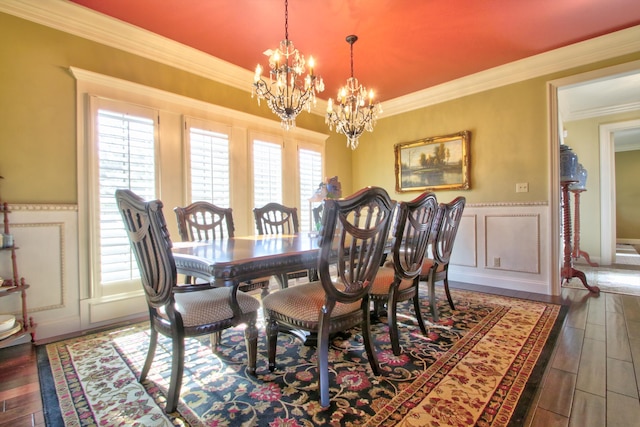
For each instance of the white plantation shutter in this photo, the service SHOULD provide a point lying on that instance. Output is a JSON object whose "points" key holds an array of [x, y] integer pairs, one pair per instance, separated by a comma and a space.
{"points": [[267, 173], [310, 177], [126, 159], [209, 153]]}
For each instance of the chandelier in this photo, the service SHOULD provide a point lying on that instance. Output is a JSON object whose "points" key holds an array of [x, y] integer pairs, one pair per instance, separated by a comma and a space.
{"points": [[355, 111], [288, 91]]}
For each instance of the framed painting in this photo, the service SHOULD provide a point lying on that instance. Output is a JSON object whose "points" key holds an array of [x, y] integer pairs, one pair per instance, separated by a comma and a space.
{"points": [[436, 163]]}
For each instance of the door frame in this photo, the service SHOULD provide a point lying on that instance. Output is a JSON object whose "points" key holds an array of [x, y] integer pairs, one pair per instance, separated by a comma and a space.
{"points": [[555, 136]]}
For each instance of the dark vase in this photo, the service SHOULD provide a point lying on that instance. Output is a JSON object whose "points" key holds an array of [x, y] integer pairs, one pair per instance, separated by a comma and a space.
{"points": [[568, 164]]}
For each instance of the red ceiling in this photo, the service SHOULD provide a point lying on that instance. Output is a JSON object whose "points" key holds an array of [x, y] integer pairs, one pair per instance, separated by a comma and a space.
{"points": [[403, 45]]}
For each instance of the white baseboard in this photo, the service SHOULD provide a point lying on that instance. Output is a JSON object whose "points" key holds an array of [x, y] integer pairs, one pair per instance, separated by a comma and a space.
{"points": [[628, 241]]}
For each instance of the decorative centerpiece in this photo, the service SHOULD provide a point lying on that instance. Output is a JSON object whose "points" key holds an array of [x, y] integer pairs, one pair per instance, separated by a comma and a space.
{"points": [[581, 184], [568, 164], [329, 189]]}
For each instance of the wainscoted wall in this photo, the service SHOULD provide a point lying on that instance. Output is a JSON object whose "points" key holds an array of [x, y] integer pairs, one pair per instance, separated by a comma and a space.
{"points": [[497, 245], [504, 245], [47, 258]]}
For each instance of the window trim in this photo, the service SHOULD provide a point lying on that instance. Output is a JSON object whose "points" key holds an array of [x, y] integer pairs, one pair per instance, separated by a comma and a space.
{"points": [[171, 106]]}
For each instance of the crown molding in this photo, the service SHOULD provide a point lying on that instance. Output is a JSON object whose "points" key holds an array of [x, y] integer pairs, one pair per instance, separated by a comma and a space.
{"points": [[82, 22], [602, 111]]}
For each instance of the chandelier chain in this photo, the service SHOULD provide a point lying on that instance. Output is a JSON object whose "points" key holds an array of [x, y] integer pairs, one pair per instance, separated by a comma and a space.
{"points": [[286, 20]]}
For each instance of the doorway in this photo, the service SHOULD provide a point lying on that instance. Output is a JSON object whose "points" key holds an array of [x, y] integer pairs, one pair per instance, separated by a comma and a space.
{"points": [[607, 103], [609, 144]]}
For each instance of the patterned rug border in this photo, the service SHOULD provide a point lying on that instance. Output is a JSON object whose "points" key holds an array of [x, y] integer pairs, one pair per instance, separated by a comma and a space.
{"points": [[522, 394]]}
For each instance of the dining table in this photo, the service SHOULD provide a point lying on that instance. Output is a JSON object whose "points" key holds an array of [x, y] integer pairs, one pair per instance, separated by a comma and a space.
{"points": [[230, 261]]}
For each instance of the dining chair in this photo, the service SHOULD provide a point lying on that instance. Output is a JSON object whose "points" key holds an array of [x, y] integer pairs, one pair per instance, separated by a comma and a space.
{"points": [[202, 220], [436, 267], [352, 240], [316, 212], [398, 279], [275, 218], [174, 311]]}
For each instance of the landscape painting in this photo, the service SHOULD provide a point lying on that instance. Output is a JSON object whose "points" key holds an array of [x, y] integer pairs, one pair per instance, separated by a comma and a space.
{"points": [[435, 163]]}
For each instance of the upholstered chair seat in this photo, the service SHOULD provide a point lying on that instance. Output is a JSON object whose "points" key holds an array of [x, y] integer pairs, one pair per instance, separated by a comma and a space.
{"points": [[302, 303], [209, 306], [386, 275]]}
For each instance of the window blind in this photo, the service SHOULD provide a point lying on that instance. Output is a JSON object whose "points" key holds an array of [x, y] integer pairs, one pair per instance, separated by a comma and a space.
{"points": [[310, 178], [209, 167], [126, 159], [267, 173]]}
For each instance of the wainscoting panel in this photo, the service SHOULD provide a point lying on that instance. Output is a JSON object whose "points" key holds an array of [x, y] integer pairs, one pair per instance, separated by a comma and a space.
{"points": [[513, 242], [504, 245], [47, 258], [465, 251]]}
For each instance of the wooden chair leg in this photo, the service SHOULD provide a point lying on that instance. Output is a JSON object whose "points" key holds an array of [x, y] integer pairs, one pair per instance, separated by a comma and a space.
{"points": [[323, 358], [251, 342], [271, 327], [392, 320], [214, 339], [177, 370], [151, 352], [417, 309], [366, 335], [446, 290], [432, 296]]}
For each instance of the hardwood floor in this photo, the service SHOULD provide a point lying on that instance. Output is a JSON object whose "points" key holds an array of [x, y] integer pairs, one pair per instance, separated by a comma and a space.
{"points": [[592, 379]]}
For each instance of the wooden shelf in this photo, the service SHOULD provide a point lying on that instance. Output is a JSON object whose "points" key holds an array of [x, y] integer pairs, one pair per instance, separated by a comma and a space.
{"points": [[6, 341], [15, 286]]}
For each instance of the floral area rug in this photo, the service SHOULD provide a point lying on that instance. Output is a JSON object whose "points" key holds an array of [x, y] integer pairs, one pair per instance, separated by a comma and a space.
{"points": [[480, 365]]}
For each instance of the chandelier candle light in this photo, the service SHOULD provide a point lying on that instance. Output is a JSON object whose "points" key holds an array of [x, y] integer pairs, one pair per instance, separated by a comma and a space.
{"points": [[355, 111], [288, 91]]}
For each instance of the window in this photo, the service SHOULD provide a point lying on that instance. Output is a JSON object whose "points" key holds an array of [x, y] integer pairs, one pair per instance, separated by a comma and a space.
{"points": [[148, 140], [267, 173], [310, 163], [125, 147], [209, 163]]}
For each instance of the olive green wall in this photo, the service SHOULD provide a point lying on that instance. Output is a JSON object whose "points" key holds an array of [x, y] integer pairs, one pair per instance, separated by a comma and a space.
{"points": [[508, 145], [628, 195], [509, 130], [37, 106]]}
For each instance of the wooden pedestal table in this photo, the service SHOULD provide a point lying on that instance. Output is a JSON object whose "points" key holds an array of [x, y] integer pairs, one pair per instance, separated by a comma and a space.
{"points": [[568, 270]]}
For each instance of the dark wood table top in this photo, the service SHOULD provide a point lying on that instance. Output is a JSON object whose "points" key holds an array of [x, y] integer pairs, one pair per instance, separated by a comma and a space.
{"points": [[235, 260]]}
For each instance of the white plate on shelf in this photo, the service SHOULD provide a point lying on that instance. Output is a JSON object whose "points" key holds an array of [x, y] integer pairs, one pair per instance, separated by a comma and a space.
{"points": [[6, 334], [7, 321]]}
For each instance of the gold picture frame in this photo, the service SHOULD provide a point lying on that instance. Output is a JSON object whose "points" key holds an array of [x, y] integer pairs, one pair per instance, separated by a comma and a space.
{"points": [[435, 163]]}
